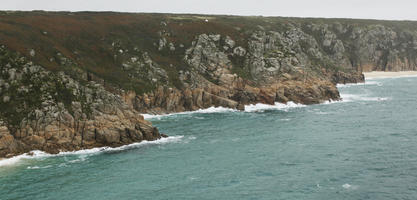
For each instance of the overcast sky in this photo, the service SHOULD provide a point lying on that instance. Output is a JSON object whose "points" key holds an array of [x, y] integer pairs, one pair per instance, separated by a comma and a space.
{"points": [[371, 9]]}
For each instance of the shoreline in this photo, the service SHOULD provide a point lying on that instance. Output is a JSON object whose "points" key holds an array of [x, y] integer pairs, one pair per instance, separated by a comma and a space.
{"points": [[383, 74], [248, 108], [4, 162]]}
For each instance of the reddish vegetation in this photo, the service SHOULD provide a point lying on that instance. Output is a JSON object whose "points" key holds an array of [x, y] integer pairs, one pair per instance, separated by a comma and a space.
{"points": [[86, 38]]}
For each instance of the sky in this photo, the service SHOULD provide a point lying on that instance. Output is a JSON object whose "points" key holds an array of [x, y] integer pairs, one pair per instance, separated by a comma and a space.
{"points": [[365, 9]]}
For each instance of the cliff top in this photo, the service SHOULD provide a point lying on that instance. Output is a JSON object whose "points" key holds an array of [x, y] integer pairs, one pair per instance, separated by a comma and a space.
{"points": [[100, 42]]}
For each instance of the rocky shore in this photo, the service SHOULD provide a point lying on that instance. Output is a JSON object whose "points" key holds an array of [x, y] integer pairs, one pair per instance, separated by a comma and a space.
{"points": [[168, 100], [72, 81], [52, 112]]}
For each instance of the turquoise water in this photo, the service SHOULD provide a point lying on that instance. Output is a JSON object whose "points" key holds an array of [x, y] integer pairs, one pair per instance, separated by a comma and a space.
{"points": [[362, 148]]}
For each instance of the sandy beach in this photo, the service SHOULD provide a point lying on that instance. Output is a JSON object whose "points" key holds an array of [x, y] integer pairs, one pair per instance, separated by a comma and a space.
{"points": [[382, 74]]}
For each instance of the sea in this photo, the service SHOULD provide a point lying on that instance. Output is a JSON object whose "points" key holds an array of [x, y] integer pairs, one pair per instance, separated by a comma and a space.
{"points": [[362, 147]]}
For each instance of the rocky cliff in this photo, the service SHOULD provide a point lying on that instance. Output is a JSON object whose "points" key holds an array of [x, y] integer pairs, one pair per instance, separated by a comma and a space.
{"points": [[79, 80], [53, 112]]}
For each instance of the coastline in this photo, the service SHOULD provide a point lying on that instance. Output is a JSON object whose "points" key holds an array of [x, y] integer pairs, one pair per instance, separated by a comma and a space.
{"points": [[383, 74], [42, 154], [248, 108]]}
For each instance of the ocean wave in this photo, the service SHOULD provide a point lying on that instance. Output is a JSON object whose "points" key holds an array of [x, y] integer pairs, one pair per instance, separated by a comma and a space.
{"points": [[207, 110], [276, 106], [36, 154], [39, 167], [14, 160], [346, 97], [248, 108], [354, 97], [349, 186]]}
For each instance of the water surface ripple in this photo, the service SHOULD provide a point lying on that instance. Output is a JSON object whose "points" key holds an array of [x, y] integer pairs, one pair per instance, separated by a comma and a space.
{"points": [[361, 148]]}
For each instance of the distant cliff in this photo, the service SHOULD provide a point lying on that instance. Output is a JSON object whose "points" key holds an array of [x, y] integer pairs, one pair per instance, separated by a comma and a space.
{"points": [[78, 80]]}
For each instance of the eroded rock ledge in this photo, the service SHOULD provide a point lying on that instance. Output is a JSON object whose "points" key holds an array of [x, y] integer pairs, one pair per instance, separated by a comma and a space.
{"points": [[310, 91]]}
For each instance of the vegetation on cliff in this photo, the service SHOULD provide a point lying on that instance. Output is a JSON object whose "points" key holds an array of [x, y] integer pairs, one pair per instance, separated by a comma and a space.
{"points": [[52, 112], [113, 46]]}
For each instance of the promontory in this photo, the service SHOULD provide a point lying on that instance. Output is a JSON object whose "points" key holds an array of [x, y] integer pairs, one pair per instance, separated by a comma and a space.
{"points": [[71, 81]]}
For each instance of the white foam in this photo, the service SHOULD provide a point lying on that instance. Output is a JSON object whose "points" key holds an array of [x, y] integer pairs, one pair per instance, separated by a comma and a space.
{"points": [[354, 97], [348, 186], [36, 154], [358, 84], [276, 106], [207, 110], [216, 110], [38, 167], [82, 158], [192, 138], [171, 139], [332, 102], [322, 113], [12, 160], [16, 159], [280, 106], [248, 108]]}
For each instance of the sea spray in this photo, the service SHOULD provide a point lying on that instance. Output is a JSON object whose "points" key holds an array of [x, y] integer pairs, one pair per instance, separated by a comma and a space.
{"points": [[276, 106], [207, 110], [359, 84], [248, 108]]}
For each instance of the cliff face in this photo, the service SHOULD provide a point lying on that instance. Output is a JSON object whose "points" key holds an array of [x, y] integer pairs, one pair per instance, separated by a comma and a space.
{"points": [[79, 80], [52, 112]]}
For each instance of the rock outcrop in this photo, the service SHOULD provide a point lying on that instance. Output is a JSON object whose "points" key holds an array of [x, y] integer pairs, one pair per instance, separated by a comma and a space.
{"points": [[52, 112], [167, 100]]}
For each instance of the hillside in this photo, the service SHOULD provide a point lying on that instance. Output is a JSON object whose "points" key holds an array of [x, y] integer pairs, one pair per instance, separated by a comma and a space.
{"points": [[100, 68]]}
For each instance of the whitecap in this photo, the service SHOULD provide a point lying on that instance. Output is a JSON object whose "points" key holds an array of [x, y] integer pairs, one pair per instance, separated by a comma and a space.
{"points": [[189, 139], [353, 97], [11, 161], [171, 139], [16, 159], [248, 108], [359, 84], [322, 113], [36, 154], [39, 167], [216, 110], [63, 165], [82, 158], [348, 186], [276, 106], [192, 138]]}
